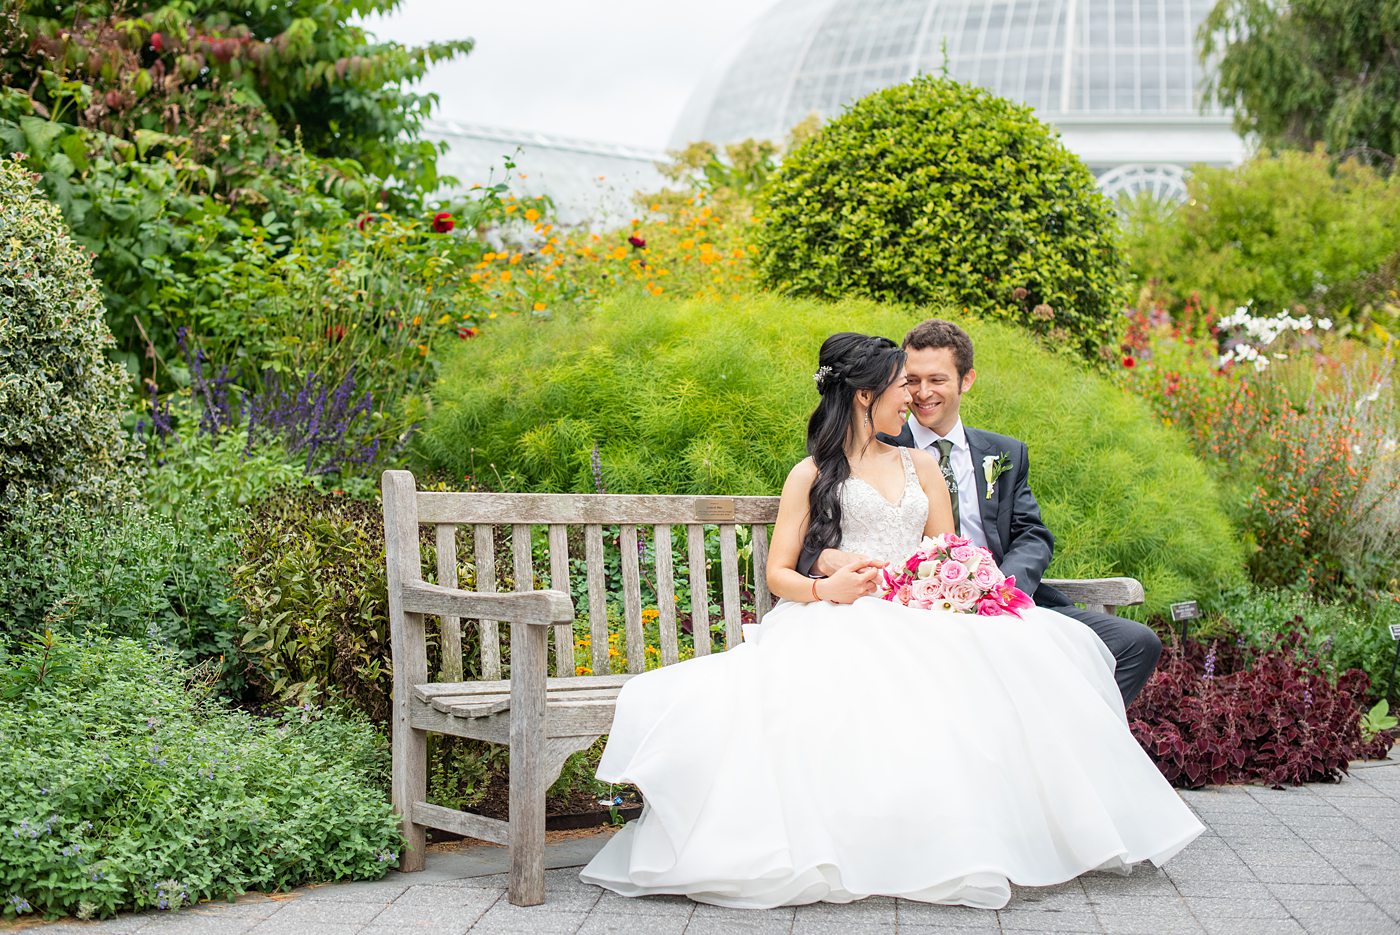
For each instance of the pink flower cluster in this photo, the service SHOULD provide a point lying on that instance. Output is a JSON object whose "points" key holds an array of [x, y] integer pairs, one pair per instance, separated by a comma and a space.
{"points": [[950, 573]]}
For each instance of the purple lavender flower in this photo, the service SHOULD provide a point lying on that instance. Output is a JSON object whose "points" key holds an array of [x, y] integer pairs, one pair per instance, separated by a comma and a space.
{"points": [[596, 458], [1209, 672]]}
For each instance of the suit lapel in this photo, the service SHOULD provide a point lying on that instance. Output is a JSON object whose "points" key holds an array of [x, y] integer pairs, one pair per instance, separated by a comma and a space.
{"points": [[988, 509]]}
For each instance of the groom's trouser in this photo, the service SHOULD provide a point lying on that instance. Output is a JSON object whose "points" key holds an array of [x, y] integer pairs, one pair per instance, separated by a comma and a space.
{"points": [[1134, 646]]}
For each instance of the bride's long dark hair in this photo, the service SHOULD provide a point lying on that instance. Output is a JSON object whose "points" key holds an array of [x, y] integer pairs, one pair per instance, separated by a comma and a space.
{"points": [[848, 362]]}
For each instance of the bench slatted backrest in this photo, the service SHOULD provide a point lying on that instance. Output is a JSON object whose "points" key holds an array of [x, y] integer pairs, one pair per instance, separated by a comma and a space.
{"points": [[610, 524]]}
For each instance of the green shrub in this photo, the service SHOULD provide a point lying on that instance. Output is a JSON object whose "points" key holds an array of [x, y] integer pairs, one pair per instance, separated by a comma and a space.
{"points": [[59, 394], [156, 570], [133, 574], [1278, 230], [312, 586], [127, 789], [937, 192], [1348, 636], [700, 398]]}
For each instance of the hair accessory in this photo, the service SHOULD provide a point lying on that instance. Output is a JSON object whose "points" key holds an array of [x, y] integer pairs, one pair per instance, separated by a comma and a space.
{"points": [[823, 372]]}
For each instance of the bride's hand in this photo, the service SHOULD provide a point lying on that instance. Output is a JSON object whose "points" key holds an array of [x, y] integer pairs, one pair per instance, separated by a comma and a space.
{"points": [[854, 580], [830, 561]]}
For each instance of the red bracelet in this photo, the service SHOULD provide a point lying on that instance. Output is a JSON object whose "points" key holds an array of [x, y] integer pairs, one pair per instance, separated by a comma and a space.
{"points": [[814, 590]]}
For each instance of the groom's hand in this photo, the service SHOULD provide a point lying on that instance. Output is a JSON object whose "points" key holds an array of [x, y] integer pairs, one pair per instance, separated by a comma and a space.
{"points": [[833, 560]]}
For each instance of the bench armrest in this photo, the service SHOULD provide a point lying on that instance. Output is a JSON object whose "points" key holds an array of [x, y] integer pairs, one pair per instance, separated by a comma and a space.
{"points": [[1110, 592], [541, 608]]}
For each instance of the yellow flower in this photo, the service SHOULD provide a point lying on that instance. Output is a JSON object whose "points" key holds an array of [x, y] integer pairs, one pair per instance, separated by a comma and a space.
{"points": [[539, 306], [423, 349], [650, 615], [418, 319], [510, 209], [515, 258], [505, 276], [582, 670], [532, 215], [487, 257], [444, 319]]}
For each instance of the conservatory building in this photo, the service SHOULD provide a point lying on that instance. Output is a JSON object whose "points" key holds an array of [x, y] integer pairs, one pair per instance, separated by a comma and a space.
{"points": [[1122, 80]]}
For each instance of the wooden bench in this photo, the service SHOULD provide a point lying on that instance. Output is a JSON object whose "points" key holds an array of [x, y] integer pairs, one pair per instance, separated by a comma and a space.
{"points": [[544, 719]]}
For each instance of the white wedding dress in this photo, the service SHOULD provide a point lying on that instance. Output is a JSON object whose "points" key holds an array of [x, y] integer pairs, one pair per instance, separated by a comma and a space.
{"points": [[850, 750]]}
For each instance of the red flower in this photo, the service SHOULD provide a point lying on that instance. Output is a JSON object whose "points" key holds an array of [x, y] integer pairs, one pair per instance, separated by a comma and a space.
{"points": [[442, 222], [1129, 362], [465, 332], [636, 241], [335, 333], [364, 219], [157, 43]]}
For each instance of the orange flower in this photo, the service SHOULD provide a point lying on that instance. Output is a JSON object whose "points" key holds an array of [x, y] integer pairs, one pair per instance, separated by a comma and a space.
{"points": [[539, 306]]}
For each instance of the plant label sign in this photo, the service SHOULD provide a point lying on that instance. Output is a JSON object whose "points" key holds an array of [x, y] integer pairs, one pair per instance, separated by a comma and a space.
{"points": [[1395, 631], [1188, 610]]}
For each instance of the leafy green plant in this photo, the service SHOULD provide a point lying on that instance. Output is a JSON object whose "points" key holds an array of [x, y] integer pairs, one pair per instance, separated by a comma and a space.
{"points": [[135, 789], [61, 397], [175, 136], [1344, 635], [1377, 721], [937, 192], [690, 397], [130, 575], [311, 584]]}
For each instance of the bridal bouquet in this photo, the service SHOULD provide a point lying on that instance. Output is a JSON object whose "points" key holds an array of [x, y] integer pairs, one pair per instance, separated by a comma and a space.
{"points": [[950, 573]]}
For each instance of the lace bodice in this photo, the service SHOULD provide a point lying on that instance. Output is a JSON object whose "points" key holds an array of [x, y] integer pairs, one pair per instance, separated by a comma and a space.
{"points": [[873, 526]]}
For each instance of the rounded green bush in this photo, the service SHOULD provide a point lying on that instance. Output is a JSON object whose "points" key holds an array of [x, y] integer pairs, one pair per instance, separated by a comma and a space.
{"points": [[713, 398], [938, 192], [59, 394]]}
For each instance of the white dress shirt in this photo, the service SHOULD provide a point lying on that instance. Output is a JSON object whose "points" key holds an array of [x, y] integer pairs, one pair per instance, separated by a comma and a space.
{"points": [[969, 510]]}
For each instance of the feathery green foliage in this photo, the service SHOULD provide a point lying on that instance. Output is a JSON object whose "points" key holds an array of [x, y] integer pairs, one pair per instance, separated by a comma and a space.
{"points": [[935, 192], [701, 397]]}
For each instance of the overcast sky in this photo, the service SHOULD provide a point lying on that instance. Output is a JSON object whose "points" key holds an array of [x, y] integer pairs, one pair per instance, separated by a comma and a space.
{"points": [[618, 71]]}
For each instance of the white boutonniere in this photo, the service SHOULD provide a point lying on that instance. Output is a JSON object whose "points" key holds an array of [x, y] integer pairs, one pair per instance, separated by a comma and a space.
{"points": [[993, 466]]}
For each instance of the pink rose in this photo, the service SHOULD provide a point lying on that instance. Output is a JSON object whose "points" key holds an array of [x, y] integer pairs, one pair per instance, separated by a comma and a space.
{"points": [[953, 572], [988, 607], [964, 595], [963, 553], [926, 590], [954, 541], [986, 576], [902, 595]]}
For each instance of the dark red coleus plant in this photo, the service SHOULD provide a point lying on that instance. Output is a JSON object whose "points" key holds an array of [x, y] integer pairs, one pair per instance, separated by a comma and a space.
{"points": [[1220, 714]]}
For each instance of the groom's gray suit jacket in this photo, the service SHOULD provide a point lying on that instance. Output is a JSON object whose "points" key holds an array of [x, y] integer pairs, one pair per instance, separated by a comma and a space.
{"points": [[1016, 535]]}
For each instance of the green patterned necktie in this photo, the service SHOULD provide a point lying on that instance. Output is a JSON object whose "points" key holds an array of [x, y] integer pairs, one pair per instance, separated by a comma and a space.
{"points": [[945, 464]]}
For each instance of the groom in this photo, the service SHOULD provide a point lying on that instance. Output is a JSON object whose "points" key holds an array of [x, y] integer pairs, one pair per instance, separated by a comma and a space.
{"points": [[939, 371]]}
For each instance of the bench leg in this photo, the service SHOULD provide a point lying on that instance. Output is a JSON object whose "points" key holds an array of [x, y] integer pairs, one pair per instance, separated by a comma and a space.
{"points": [[528, 779], [409, 785]]}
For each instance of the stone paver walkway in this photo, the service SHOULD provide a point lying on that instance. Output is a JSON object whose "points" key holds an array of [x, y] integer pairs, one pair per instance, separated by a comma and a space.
{"points": [[1321, 859]]}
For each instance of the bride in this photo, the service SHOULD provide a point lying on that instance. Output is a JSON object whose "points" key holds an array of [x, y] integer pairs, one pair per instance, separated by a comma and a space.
{"points": [[853, 746]]}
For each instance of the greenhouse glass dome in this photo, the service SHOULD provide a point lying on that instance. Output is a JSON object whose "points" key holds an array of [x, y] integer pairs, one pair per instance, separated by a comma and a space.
{"points": [[1121, 79]]}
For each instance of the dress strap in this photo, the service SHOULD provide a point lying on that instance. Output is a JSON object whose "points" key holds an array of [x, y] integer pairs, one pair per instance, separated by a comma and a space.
{"points": [[910, 475]]}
